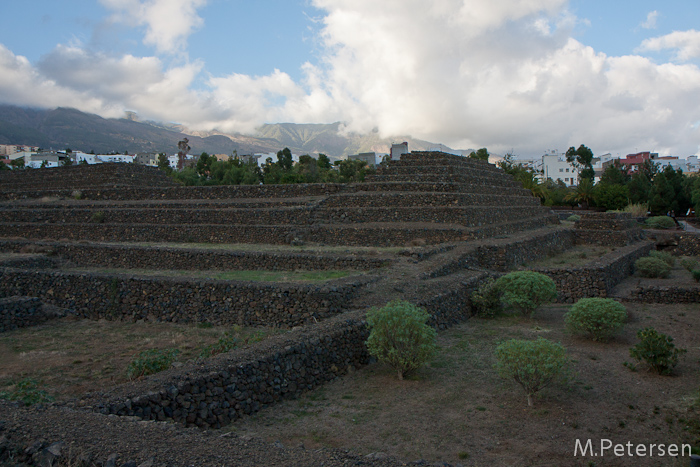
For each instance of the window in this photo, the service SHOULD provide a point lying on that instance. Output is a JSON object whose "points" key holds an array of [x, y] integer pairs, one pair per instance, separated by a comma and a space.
{"points": [[561, 170], [566, 179], [567, 170]]}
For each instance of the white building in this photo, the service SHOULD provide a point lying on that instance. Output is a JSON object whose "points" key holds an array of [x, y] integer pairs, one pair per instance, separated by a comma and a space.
{"points": [[555, 166], [369, 157], [107, 158], [397, 150], [85, 158]]}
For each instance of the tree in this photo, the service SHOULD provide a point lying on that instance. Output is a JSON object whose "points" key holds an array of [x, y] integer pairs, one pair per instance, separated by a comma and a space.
{"points": [[611, 196], [616, 174], [400, 336], [532, 364], [163, 163], [481, 154], [284, 159], [582, 160], [668, 192], [583, 193], [17, 163], [324, 163], [204, 164]]}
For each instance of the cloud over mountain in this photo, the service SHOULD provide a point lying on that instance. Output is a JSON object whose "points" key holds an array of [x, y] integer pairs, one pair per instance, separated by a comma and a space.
{"points": [[505, 75]]}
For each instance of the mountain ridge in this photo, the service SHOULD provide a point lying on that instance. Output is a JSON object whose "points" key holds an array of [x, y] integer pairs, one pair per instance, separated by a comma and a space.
{"points": [[65, 127]]}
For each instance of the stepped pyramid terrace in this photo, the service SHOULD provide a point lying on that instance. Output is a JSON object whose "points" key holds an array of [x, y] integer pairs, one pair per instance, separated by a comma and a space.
{"points": [[119, 243]]}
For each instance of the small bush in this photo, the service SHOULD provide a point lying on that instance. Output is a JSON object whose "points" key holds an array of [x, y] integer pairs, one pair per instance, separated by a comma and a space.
{"points": [[664, 256], [660, 222], [573, 218], [599, 318], [637, 210], [532, 364], [526, 290], [689, 264], [26, 391], [76, 194], [486, 300], [651, 267], [151, 361], [225, 343], [98, 217], [656, 350], [696, 275], [400, 336]]}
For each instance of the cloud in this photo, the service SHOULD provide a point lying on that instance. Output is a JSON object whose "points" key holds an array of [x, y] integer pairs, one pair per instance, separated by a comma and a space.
{"points": [[686, 43], [650, 22], [505, 76], [168, 22]]}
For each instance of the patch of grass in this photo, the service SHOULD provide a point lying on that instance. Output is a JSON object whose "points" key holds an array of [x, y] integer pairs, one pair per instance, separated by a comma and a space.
{"points": [[26, 391], [151, 361], [576, 256], [246, 275]]}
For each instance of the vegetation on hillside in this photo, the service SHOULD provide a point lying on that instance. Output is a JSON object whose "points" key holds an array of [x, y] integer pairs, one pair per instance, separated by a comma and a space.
{"points": [[659, 191], [238, 171]]}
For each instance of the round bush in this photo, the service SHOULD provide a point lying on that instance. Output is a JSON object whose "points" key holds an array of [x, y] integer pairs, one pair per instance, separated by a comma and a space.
{"points": [[651, 267], [689, 264], [660, 222], [597, 318], [573, 218], [526, 290], [657, 350], [696, 275], [664, 256], [400, 336], [486, 300], [532, 364]]}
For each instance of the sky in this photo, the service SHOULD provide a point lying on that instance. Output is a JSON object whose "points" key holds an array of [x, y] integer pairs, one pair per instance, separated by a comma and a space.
{"points": [[519, 76]]}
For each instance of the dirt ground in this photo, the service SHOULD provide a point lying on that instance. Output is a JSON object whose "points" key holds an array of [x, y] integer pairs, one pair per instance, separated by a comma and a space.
{"points": [[458, 410], [70, 357]]}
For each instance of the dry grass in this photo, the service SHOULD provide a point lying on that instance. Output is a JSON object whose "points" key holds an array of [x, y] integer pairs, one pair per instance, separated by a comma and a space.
{"points": [[71, 357], [574, 257]]}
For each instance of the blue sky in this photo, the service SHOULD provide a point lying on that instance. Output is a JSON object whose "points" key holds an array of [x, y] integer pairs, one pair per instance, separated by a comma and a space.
{"points": [[526, 75]]}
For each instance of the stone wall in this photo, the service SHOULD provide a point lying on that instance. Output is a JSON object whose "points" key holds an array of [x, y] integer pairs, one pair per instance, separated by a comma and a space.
{"points": [[182, 300], [599, 278], [244, 381], [508, 253], [142, 257], [20, 312], [665, 294]]}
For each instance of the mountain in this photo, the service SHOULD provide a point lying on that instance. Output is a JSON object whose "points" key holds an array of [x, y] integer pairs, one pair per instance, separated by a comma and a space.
{"points": [[63, 128]]}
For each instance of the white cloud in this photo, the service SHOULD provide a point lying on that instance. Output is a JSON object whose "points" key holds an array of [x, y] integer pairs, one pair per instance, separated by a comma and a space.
{"points": [[650, 22], [168, 22], [686, 43], [466, 74]]}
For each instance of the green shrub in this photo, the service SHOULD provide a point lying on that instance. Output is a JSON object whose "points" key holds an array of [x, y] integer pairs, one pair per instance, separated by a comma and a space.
{"points": [[651, 267], [664, 256], [76, 194], [486, 300], [689, 264], [98, 217], [656, 350], [526, 290], [573, 218], [151, 361], [660, 222], [26, 391], [225, 343], [599, 318], [400, 336], [637, 209], [532, 364], [696, 275]]}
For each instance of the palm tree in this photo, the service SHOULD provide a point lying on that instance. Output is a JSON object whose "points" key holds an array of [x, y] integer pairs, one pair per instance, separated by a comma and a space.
{"points": [[583, 194]]}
